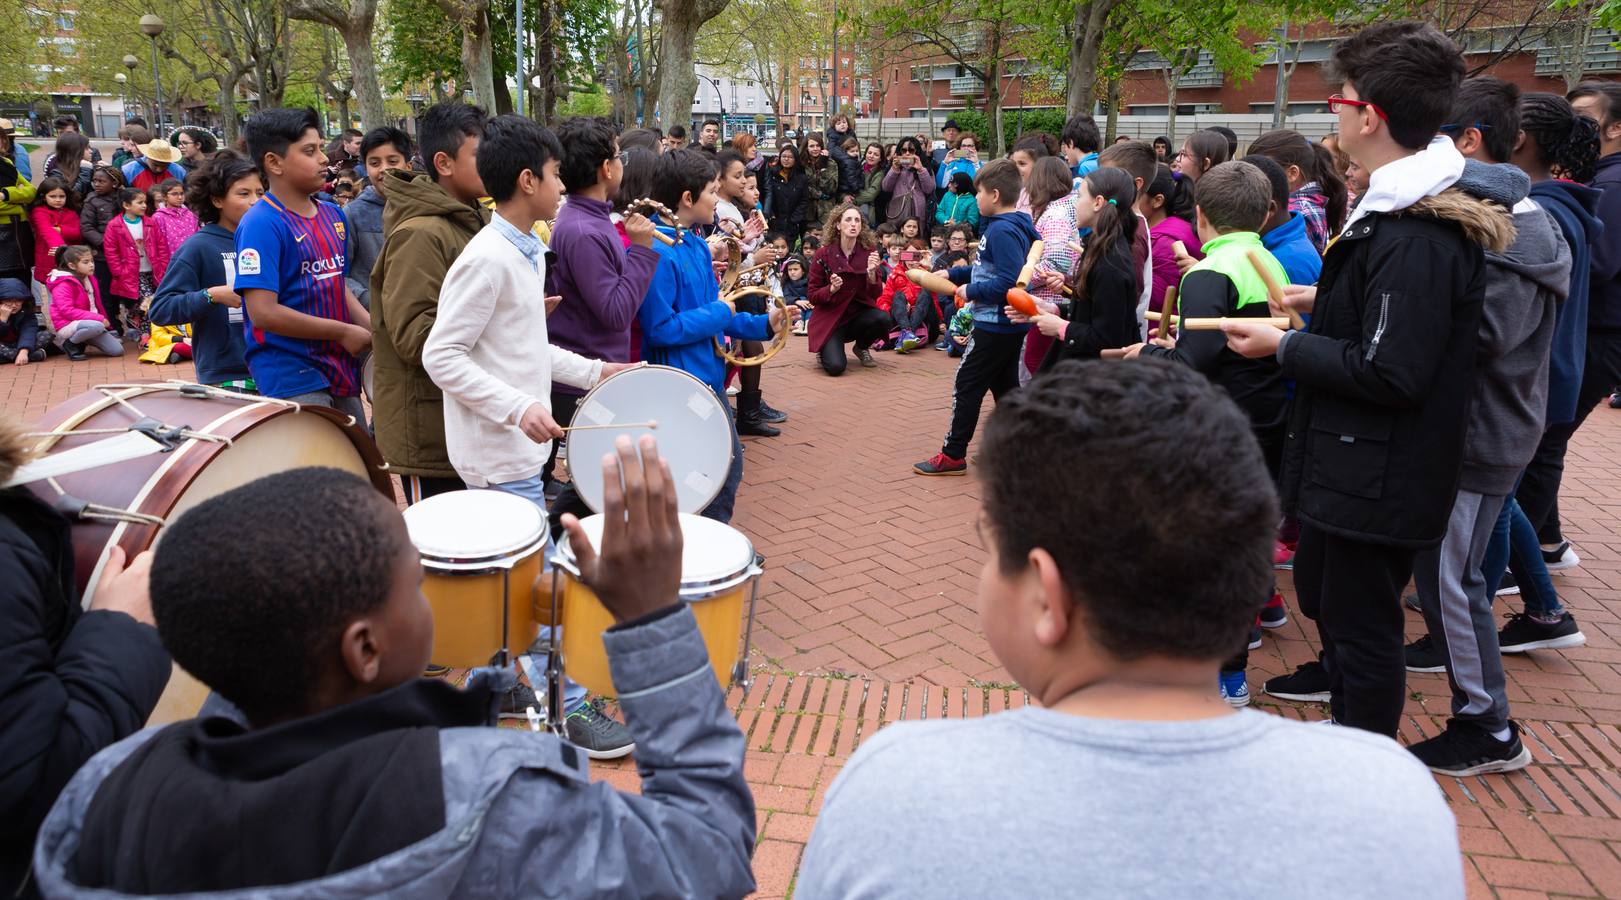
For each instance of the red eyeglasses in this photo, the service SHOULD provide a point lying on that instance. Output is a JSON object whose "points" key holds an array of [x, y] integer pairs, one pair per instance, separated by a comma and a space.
{"points": [[1335, 101]]}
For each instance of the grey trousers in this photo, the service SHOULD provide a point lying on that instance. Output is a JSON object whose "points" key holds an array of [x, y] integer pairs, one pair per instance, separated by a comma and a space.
{"points": [[93, 334], [1458, 611], [349, 406]]}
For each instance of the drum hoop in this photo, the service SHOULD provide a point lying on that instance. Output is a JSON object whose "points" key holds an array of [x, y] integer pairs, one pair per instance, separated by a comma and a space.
{"points": [[778, 341], [483, 565], [689, 591], [585, 402], [734, 263]]}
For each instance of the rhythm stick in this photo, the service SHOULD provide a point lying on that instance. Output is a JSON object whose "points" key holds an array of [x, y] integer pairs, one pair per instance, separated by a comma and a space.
{"points": [[1275, 291], [1179, 248], [1214, 323], [929, 281], [650, 424], [1114, 353], [1167, 312], [1030, 262]]}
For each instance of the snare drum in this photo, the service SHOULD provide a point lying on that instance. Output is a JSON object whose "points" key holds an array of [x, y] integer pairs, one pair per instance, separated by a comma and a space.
{"points": [[481, 551], [204, 441], [717, 569]]}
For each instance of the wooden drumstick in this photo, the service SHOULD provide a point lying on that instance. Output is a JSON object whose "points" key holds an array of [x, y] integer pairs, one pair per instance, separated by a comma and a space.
{"points": [[1275, 290], [929, 281], [1214, 323], [1168, 312], [1179, 248], [1114, 353], [1030, 260], [650, 424]]}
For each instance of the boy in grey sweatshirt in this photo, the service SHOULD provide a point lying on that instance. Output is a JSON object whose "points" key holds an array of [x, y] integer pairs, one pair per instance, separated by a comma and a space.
{"points": [[1124, 778], [1524, 287]]}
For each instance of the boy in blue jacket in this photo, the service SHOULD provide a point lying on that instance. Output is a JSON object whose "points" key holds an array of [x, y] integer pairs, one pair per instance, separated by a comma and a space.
{"points": [[198, 287], [682, 313], [1284, 233], [991, 362]]}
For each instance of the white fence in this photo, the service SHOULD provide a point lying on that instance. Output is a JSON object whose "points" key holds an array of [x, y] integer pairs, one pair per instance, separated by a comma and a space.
{"points": [[1247, 126]]}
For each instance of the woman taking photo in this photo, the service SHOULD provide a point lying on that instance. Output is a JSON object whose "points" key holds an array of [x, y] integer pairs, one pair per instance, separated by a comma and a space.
{"points": [[843, 290], [787, 194], [874, 166], [908, 183]]}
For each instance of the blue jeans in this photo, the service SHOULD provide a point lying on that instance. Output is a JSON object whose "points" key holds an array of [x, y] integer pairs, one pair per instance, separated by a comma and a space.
{"points": [[720, 508], [1514, 546], [534, 490]]}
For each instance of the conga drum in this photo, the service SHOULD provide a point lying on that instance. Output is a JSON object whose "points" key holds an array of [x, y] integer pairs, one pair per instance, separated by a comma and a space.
{"points": [[164, 448], [481, 552], [718, 565]]}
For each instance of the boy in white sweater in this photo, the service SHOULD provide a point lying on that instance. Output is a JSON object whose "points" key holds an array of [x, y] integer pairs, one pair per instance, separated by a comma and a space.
{"points": [[489, 354]]}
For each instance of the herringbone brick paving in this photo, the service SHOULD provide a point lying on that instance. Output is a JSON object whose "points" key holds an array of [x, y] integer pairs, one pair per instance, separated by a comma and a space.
{"points": [[867, 617]]}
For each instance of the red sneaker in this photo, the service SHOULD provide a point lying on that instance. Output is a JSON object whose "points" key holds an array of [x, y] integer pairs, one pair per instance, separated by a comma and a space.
{"points": [[1283, 556], [1274, 614], [941, 464]]}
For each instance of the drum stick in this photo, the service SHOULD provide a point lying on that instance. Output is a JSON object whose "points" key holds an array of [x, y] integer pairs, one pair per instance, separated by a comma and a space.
{"points": [[1275, 290], [651, 424], [1215, 323], [1030, 261], [1115, 353], [1168, 310], [929, 281], [1179, 248]]}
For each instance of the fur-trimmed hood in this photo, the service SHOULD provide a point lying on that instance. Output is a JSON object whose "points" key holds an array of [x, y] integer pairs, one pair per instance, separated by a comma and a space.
{"points": [[1487, 224]]}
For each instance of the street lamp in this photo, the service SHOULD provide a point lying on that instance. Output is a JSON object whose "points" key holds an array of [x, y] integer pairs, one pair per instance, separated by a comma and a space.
{"points": [[720, 99], [123, 95], [130, 62], [152, 26]]}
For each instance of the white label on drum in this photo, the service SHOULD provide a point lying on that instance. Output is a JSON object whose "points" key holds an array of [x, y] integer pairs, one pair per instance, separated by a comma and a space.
{"points": [[597, 414], [700, 483], [702, 404]]}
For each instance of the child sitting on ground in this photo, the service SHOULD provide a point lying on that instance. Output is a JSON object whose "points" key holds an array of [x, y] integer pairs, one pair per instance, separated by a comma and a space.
{"points": [[994, 364], [1118, 653], [20, 338], [794, 290], [907, 303], [959, 332], [341, 772], [77, 311]]}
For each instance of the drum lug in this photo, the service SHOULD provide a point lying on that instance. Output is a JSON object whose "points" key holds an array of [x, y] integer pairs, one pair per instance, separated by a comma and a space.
{"points": [[169, 436]]}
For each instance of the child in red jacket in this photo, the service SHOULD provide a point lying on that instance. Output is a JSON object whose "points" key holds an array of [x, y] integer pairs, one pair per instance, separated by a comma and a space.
{"points": [[907, 303], [56, 223], [125, 247]]}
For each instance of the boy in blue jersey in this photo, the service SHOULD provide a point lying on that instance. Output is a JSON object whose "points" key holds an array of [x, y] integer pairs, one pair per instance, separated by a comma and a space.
{"points": [[304, 328], [682, 313]]}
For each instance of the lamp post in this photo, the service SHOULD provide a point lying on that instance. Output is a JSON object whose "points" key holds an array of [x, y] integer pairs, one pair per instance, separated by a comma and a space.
{"points": [[123, 96], [152, 26], [517, 59], [719, 99], [130, 62]]}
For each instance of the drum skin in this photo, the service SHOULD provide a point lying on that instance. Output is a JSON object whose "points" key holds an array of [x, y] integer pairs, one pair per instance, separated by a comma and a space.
{"points": [[266, 438]]}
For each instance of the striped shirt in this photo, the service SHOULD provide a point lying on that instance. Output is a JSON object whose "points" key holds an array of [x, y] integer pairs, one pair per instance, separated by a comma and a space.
{"points": [[303, 261]]}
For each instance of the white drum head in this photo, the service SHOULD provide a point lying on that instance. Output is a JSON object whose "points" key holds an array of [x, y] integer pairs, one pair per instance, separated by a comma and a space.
{"points": [[474, 527], [713, 554], [694, 433]]}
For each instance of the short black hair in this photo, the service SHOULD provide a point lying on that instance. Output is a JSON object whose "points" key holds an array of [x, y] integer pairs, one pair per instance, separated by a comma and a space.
{"points": [[61, 122], [1036, 144], [511, 145], [643, 138], [591, 142], [1233, 196], [1608, 91], [387, 134], [1273, 170], [681, 172], [125, 195], [1002, 176], [708, 122], [1169, 455], [213, 180], [1491, 105], [260, 632], [1409, 70], [677, 132], [274, 130], [1082, 132], [724, 158], [443, 127], [1230, 135]]}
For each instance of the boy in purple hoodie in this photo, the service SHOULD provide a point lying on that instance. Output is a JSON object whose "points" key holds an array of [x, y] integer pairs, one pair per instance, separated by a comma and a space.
{"points": [[602, 282]]}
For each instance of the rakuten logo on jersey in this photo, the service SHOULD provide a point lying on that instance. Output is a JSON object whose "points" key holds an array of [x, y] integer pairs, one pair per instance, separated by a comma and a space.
{"points": [[322, 269]]}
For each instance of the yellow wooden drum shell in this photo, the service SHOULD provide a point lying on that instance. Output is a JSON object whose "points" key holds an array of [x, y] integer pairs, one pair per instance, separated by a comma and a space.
{"points": [[467, 613], [585, 660]]}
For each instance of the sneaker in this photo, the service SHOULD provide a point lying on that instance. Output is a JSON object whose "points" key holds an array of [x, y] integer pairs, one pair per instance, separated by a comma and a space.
{"points": [[1235, 689], [1282, 556], [1274, 614], [941, 464], [1508, 585], [801, 329], [909, 342], [599, 736], [943, 345], [1615, 400], [865, 355], [1306, 684], [1561, 557], [1522, 633], [1411, 601], [516, 703], [74, 351], [1465, 749], [733, 390], [774, 416], [1423, 656], [1255, 638]]}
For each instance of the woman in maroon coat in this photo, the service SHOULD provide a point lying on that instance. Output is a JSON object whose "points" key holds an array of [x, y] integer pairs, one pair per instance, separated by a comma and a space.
{"points": [[843, 291]]}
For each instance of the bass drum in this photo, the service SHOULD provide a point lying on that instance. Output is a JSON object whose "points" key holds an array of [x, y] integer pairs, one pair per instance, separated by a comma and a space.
{"points": [[216, 440]]}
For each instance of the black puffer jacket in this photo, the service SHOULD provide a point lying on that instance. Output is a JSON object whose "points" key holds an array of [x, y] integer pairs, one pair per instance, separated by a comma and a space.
{"points": [[788, 199], [71, 682], [1386, 374]]}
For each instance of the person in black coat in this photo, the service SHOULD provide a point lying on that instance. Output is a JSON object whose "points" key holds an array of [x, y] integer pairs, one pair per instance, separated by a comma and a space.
{"points": [[786, 189], [72, 681]]}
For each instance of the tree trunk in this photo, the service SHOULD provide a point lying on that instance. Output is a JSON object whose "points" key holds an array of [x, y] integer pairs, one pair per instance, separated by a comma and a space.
{"points": [[1113, 122], [227, 100], [1171, 79], [477, 59], [678, 34], [545, 60], [993, 104], [1085, 47], [363, 74]]}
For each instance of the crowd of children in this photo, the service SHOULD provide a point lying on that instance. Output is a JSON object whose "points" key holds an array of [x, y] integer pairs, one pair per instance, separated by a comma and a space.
{"points": [[1448, 276]]}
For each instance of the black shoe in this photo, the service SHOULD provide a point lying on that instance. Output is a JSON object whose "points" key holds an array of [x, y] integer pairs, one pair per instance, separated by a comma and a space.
{"points": [[1523, 633], [1254, 642], [1508, 585], [599, 736], [1465, 749], [865, 355], [1411, 602], [74, 351], [749, 420], [1306, 684], [516, 703], [1561, 557], [774, 416], [1423, 656]]}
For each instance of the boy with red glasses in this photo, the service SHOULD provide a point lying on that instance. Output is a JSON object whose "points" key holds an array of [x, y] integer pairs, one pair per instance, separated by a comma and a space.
{"points": [[1384, 375]]}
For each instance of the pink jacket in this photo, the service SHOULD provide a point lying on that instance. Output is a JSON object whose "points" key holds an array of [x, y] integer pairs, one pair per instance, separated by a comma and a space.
{"points": [[123, 259], [73, 299], [166, 230], [52, 229]]}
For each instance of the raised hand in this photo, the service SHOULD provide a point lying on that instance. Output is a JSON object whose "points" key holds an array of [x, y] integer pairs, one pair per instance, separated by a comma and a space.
{"points": [[637, 570]]}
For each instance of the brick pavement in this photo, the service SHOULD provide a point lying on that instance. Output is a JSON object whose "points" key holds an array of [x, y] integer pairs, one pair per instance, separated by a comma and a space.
{"points": [[867, 617]]}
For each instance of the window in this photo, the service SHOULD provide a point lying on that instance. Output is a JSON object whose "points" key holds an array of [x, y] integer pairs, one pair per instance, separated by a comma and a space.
{"points": [[64, 21], [751, 101]]}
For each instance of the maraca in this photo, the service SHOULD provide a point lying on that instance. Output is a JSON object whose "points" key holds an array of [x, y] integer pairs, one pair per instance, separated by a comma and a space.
{"points": [[1021, 300]]}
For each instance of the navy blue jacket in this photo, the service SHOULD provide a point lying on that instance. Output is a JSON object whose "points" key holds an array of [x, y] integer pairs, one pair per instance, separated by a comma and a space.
{"points": [[217, 343], [1604, 308], [1004, 245], [1572, 206]]}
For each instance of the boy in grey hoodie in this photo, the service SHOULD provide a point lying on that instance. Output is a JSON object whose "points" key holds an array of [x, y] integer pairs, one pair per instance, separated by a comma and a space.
{"points": [[1524, 286]]}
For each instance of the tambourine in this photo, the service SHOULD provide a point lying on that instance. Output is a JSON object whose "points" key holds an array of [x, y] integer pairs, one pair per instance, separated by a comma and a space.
{"points": [[754, 276], [648, 204], [734, 262], [777, 342]]}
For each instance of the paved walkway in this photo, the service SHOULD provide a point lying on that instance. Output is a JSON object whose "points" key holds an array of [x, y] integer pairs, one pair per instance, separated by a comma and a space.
{"points": [[867, 617]]}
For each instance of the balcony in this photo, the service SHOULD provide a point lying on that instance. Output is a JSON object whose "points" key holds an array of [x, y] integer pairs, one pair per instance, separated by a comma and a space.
{"points": [[967, 85]]}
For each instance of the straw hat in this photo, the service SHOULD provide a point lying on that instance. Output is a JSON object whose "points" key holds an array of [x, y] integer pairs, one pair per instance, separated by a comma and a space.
{"points": [[7, 128], [160, 150]]}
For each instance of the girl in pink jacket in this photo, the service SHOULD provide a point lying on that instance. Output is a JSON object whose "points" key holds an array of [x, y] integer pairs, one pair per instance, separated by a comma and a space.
{"points": [[77, 312], [55, 221], [127, 260], [168, 226]]}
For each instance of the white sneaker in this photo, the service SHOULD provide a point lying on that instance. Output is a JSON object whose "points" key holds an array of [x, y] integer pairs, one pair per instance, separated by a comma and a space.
{"points": [[1561, 557], [733, 390]]}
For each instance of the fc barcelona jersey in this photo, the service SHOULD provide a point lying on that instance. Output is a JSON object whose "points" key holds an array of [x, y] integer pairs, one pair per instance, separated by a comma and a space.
{"points": [[304, 261]]}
